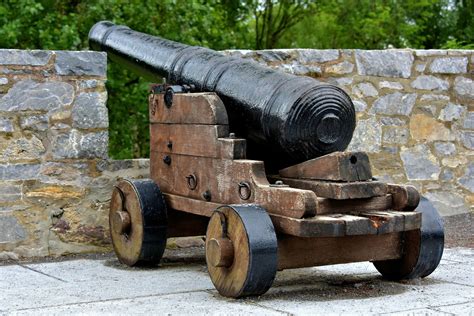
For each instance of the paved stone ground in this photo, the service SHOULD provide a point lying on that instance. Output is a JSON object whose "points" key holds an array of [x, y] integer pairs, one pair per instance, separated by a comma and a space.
{"points": [[182, 286]]}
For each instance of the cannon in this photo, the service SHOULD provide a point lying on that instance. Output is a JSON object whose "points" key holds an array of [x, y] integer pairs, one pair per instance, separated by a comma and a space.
{"points": [[281, 115], [253, 159]]}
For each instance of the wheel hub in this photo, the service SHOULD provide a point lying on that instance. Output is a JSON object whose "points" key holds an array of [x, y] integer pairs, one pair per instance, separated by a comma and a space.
{"points": [[121, 222], [220, 252]]}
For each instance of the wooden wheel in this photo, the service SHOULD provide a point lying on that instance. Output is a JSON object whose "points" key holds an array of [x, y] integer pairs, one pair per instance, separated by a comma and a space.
{"points": [[423, 248], [138, 221], [241, 250]]}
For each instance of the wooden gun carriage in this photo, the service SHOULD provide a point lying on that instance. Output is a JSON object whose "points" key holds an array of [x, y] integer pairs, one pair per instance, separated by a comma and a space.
{"points": [[320, 211]]}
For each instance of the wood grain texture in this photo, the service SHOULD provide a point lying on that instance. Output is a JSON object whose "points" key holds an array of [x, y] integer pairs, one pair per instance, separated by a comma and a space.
{"points": [[405, 197], [127, 246], [229, 281], [193, 140], [331, 206], [337, 166], [297, 252], [221, 177], [251, 269], [337, 190], [338, 225], [190, 108]]}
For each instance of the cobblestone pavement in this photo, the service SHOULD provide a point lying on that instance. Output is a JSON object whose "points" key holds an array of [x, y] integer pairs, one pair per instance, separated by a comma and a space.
{"points": [[103, 286]]}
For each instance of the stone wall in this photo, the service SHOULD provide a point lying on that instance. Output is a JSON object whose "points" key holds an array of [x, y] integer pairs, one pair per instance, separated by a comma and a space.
{"points": [[415, 113], [55, 176]]}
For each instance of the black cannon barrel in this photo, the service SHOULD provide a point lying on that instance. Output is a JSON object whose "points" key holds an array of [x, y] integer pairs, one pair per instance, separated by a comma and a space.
{"points": [[286, 118]]}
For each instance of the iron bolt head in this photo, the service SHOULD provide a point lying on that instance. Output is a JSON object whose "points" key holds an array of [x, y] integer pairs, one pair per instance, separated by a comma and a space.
{"points": [[207, 195], [167, 160]]}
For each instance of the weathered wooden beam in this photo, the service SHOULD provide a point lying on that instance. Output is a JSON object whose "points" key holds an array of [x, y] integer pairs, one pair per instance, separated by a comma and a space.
{"points": [[337, 190], [338, 225], [404, 197], [338, 166], [190, 108], [331, 206], [298, 252]]}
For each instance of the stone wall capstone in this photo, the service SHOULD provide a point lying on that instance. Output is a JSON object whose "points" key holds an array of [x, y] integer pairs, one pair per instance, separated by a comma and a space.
{"points": [[415, 112], [55, 175]]}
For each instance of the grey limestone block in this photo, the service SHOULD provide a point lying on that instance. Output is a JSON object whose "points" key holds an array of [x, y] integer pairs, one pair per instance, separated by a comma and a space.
{"points": [[10, 192], [395, 104], [6, 124], [390, 85], [89, 111], [434, 97], [81, 145], [365, 89], [395, 135], [467, 138], [24, 57], [88, 84], [367, 136], [34, 122], [467, 180], [446, 175], [464, 87], [81, 63], [42, 96], [469, 121], [444, 149], [359, 105], [430, 52], [452, 112], [308, 56], [384, 63], [392, 121], [430, 83], [449, 65], [19, 171], [420, 163], [10, 229]]}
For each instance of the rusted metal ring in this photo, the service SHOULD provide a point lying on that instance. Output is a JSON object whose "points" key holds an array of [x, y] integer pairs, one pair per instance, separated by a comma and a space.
{"points": [[244, 190], [191, 181]]}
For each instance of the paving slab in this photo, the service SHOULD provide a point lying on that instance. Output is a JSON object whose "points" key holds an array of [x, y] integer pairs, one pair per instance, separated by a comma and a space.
{"points": [[107, 287], [90, 281], [195, 303]]}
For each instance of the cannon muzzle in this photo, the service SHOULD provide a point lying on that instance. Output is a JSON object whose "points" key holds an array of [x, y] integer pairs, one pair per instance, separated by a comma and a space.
{"points": [[287, 119]]}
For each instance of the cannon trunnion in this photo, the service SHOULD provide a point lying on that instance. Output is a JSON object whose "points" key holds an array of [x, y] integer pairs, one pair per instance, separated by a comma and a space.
{"points": [[322, 211]]}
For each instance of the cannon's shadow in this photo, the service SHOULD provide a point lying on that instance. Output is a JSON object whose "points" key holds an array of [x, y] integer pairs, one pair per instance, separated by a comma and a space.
{"points": [[319, 284], [306, 284]]}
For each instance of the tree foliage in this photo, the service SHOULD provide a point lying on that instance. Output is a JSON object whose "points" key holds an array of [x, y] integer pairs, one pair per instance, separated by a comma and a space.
{"points": [[225, 24]]}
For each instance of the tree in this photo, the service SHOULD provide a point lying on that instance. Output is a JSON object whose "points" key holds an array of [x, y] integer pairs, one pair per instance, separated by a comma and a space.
{"points": [[64, 24], [272, 19], [225, 24]]}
